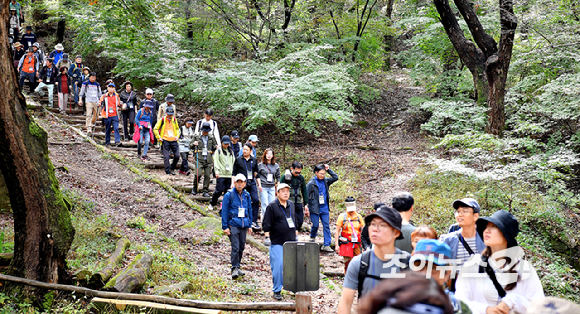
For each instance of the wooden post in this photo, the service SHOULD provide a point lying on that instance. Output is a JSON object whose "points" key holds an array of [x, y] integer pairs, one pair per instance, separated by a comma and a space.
{"points": [[303, 303]]}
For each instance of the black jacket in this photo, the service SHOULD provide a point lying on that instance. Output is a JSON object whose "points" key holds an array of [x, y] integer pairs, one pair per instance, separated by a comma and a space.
{"points": [[275, 222], [243, 166], [44, 73], [124, 96], [59, 85]]}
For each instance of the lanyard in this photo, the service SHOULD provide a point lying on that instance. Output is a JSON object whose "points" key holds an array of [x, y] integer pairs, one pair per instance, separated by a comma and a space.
{"points": [[241, 199], [246, 163], [284, 210], [268, 167]]}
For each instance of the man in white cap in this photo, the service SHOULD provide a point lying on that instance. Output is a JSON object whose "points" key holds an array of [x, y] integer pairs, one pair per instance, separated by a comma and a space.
{"points": [[236, 220], [279, 225], [207, 117], [56, 55], [252, 140]]}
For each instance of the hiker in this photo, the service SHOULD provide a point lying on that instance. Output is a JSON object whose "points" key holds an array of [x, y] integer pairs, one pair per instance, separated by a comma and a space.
{"points": [[294, 178], [403, 202], [76, 72], [149, 96], [236, 221], [279, 225], [203, 146], [15, 6], [433, 258], [464, 242], [110, 103], [11, 39], [248, 166], [414, 294], [47, 78], [28, 68], [236, 144], [19, 52], [348, 232], [422, 232], [268, 177], [384, 259], [498, 280], [253, 142], [84, 76], [14, 24], [39, 54], [318, 197], [143, 120], [223, 165], [185, 137], [28, 38], [128, 109], [64, 62], [366, 240], [91, 93], [169, 100], [56, 55], [212, 124], [167, 133]]}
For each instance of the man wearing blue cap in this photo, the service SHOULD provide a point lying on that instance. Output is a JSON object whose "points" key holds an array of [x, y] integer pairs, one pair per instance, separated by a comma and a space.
{"points": [[223, 165], [252, 140], [465, 241], [236, 144], [144, 119], [167, 132], [109, 103]]}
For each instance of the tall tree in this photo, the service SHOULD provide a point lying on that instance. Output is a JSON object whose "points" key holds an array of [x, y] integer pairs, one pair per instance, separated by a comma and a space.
{"points": [[488, 63], [42, 224]]}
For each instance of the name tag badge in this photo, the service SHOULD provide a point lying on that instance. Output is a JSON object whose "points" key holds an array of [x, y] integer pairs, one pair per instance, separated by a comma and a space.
{"points": [[249, 177], [30, 69], [47, 79], [241, 212], [170, 133], [290, 223], [30, 44], [227, 168], [111, 110], [320, 198], [354, 238], [270, 177], [204, 151]]}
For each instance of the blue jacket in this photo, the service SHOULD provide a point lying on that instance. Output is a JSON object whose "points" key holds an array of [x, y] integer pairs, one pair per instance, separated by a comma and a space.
{"points": [[312, 191], [230, 205], [452, 239], [56, 56], [76, 72], [142, 116]]}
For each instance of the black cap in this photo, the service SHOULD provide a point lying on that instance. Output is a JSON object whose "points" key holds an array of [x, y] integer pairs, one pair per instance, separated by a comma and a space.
{"points": [[28, 28], [389, 215], [226, 140], [93, 74], [378, 205], [235, 134], [505, 222], [169, 110], [65, 56], [205, 127], [467, 202]]}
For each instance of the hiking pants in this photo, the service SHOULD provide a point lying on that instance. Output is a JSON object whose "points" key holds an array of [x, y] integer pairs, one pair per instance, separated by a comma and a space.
{"points": [[252, 188], [299, 209], [30, 77], [169, 147], [144, 141], [238, 240], [128, 123], [111, 122], [184, 162], [221, 186], [77, 84], [62, 101], [277, 266], [49, 87], [205, 170], [325, 218], [267, 196], [91, 112]]}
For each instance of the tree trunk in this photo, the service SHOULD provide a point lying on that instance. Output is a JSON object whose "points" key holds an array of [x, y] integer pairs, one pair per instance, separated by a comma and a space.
{"points": [[189, 25], [42, 225], [102, 276], [60, 28], [390, 8], [132, 278]]}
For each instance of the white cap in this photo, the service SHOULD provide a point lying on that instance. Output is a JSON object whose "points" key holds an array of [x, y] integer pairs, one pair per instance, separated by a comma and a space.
{"points": [[282, 186], [239, 177], [149, 91]]}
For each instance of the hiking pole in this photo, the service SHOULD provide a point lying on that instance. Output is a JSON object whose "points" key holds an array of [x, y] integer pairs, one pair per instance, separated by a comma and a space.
{"points": [[196, 168]]}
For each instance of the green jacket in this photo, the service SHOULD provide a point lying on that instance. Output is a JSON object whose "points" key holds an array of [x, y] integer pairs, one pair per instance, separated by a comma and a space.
{"points": [[224, 164], [197, 150], [297, 188]]}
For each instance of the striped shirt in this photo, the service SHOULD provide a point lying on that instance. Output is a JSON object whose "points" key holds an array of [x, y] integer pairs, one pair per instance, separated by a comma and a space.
{"points": [[462, 254]]}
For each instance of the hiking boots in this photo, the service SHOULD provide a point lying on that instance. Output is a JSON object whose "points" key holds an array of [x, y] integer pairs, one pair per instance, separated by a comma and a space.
{"points": [[205, 194], [240, 272], [312, 239], [194, 191], [278, 296], [210, 207], [235, 273], [327, 248]]}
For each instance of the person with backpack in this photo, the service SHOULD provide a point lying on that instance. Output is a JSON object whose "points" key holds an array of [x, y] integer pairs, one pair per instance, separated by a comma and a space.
{"points": [[15, 6], [28, 38], [76, 72], [464, 242], [128, 109], [57, 54], [110, 103], [207, 117], [167, 132], [348, 232], [91, 93], [143, 120], [298, 195], [236, 221], [236, 144], [223, 165], [64, 62], [403, 202], [47, 78], [279, 225], [203, 146], [169, 102], [366, 240], [186, 135], [28, 69], [248, 166], [498, 280], [318, 197], [149, 96], [268, 177], [39, 54], [19, 52], [253, 142], [365, 271], [14, 24]]}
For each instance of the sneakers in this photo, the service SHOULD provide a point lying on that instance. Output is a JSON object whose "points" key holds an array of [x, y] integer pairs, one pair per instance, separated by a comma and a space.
{"points": [[143, 158], [255, 225], [182, 172], [312, 239], [172, 172], [327, 248], [118, 144], [235, 273], [241, 273], [194, 191], [278, 296], [210, 207], [205, 194]]}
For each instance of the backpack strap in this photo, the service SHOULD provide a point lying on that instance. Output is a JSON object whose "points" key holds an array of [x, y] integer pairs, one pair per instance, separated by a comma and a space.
{"points": [[489, 271], [465, 245], [365, 260]]}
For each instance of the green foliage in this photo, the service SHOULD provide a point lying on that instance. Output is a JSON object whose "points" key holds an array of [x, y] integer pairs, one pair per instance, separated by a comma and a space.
{"points": [[5, 247], [453, 117]]}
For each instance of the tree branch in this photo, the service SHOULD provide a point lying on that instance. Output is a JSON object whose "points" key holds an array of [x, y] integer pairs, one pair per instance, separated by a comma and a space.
{"points": [[484, 41]]}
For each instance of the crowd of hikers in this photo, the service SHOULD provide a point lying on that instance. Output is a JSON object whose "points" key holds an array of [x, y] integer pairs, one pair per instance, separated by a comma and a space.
{"points": [[393, 266]]}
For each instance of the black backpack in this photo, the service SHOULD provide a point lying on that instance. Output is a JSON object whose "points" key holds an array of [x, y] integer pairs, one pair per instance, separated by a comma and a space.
{"points": [[296, 188], [364, 268]]}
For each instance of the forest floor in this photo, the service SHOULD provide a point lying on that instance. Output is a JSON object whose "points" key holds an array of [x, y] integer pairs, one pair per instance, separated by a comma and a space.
{"points": [[374, 160]]}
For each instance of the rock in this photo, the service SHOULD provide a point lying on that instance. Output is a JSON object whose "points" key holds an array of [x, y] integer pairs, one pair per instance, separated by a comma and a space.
{"points": [[170, 290], [362, 123], [205, 223], [397, 122]]}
